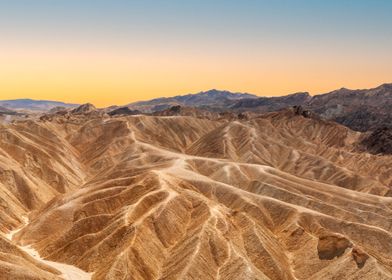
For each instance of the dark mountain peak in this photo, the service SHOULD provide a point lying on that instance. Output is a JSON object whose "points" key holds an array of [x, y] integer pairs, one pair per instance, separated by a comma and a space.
{"points": [[342, 90], [123, 111], [215, 93], [386, 86], [85, 108], [297, 95], [300, 93], [212, 98], [382, 90]]}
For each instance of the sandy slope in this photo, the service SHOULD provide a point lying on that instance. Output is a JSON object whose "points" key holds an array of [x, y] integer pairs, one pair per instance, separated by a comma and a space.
{"points": [[68, 272], [274, 197]]}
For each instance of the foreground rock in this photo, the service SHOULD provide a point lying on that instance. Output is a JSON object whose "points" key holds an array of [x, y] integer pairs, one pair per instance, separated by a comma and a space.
{"points": [[278, 196]]}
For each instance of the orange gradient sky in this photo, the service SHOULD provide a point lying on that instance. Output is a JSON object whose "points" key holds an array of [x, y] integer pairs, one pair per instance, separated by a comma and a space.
{"points": [[113, 61]]}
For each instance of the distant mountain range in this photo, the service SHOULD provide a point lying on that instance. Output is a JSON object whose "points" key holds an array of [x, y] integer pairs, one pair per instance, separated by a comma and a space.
{"points": [[212, 99], [33, 105], [6, 111], [361, 110], [364, 109]]}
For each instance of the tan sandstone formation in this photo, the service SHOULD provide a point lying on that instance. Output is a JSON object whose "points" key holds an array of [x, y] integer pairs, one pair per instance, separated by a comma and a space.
{"points": [[280, 196]]}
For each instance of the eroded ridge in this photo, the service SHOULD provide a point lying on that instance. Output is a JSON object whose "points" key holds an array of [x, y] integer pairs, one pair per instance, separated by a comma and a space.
{"points": [[279, 196]]}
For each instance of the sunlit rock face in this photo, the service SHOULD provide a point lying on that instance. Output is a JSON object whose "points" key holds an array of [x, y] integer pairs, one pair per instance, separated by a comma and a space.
{"points": [[278, 196]]}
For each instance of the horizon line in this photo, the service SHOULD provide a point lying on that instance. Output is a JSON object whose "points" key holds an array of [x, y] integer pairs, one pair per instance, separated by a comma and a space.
{"points": [[195, 93]]}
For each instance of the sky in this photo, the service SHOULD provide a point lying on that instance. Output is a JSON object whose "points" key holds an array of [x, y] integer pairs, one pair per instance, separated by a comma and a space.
{"points": [[118, 51]]}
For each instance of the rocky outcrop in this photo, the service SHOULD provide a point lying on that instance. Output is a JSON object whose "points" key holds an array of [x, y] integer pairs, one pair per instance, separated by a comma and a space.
{"points": [[301, 111], [378, 141], [331, 246], [359, 257], [124, 111], [84, 109]]}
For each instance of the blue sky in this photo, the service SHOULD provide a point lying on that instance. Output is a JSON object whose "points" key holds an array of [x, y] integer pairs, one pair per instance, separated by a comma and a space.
{"points": [[269, 39]]}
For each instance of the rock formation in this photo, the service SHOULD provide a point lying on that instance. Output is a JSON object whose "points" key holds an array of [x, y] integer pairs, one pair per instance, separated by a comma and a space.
{"points": [[277, 196], [378, 141], [361, 110]]}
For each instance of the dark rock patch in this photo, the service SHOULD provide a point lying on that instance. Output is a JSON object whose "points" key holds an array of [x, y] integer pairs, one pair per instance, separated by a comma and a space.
{"points": [[123, 111], [332, 246], [378, 142], [359, 257]]}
